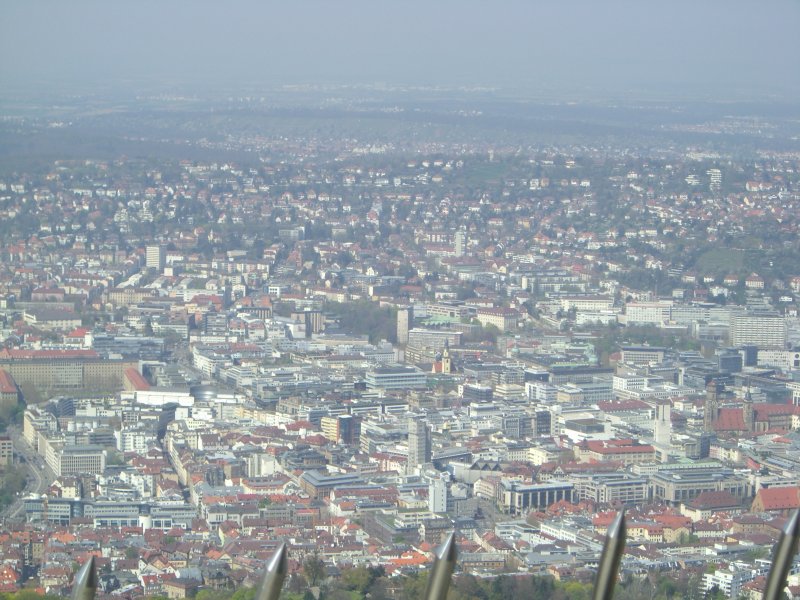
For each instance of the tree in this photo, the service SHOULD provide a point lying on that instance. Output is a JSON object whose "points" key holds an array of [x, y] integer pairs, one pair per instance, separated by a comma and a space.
{"points": [[212, 595], [357, 579], [313, 569], [414, 586]]}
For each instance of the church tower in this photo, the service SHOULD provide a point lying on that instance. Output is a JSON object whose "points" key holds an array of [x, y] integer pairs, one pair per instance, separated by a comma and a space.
{"points": [[711, 407], [447, 364], [748, 412]]}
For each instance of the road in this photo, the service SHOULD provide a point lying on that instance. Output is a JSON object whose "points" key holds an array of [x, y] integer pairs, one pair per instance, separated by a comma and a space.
{"points": [[38, 476]]}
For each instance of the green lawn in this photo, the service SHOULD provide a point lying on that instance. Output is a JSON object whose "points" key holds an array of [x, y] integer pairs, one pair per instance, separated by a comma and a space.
{"points": [[721, 261]]}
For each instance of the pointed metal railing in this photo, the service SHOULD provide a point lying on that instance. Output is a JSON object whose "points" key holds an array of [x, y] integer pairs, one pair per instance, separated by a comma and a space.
{"points": [[442, 572], [85, 583], [277, 567], [613, 549], [785, 552]]}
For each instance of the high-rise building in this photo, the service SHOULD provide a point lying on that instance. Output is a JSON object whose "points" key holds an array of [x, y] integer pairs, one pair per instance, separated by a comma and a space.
{"points": [[662, 431], [343, 429], [437, 493], [419, 444], [764, 330], [215, 323], [405, 321], [714, 179], [460, 242], [154, 257]]}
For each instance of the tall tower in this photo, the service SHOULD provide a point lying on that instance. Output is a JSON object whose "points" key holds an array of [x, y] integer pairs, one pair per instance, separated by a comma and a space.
{"points": [[662, 432], [154, 257], [437, 493], [405, 321], [460, 242], [447, 364], [748, 412], [711, 407], [419, 444]]}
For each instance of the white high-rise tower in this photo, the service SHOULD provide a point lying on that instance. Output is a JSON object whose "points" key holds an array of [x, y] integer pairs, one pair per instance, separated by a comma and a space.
{"points": [[662, 431], [419, 444]]}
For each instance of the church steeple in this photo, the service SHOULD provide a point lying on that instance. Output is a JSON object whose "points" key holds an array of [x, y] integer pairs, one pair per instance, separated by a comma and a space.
{"points": [[446, 362], [748, 412], [711, 407]]}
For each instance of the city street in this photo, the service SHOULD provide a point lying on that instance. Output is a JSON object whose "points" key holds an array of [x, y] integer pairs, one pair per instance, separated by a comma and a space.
{"points": [[38, 477]]}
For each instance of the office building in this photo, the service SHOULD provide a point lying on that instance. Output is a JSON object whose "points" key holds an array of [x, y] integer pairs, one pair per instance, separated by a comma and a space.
{"points": [[419, 444], [6, 451], [677, 486], [77, 460], [437, 493], [460, 242], [765, 330], [395, 378], [405, 321], [155, 257], [662, 430], [434, 338], [519, 498]]}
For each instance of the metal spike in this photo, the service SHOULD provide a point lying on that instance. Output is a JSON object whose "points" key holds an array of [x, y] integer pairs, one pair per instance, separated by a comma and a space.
{"points": [[784, 556], [613, 549], [84, 586], [277, 567], [442, 572]]}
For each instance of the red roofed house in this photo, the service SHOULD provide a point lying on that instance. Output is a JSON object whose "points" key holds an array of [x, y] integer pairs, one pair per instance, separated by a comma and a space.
{"points": [[777, 499], [133, 381], [754, 282], [709, 503], [628, 452], [9, 392]]}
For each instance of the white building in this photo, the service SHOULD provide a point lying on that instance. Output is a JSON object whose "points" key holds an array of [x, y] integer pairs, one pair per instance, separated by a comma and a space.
{"points": [[731, 580], [647, 313], [437, 493], [765, 330], [396, 378], [154, 257]]}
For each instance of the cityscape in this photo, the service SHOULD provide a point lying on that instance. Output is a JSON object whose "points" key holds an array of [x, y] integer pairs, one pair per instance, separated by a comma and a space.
{"points": [[358, 319]]}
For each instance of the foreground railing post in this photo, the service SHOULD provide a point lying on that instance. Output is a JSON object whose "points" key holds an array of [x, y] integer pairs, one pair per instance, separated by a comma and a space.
{"points": [[784, 556], [442, 572], [84, 586], [277, 567], [608, 569]]}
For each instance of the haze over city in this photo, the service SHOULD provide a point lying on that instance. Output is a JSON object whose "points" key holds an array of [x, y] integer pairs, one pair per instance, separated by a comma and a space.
{"points": [[375, 300], [678, 48]]}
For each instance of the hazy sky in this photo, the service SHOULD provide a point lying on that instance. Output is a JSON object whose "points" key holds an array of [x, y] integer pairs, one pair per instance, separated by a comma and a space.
{"points": [[646, 45]]}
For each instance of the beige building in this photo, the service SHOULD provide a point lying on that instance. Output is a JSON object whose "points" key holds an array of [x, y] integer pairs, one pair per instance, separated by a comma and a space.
{"points": [[505, 319], [52, 320], [76, 460], [40, 373], [9, 392], [628, 452], [6, 451]]}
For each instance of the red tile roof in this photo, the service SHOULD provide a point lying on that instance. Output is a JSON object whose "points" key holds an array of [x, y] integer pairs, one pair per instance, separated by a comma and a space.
{"points": [[16, 354], [730, 419], [715, 500], [136, 379], [779, 498], [7, 383]]}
